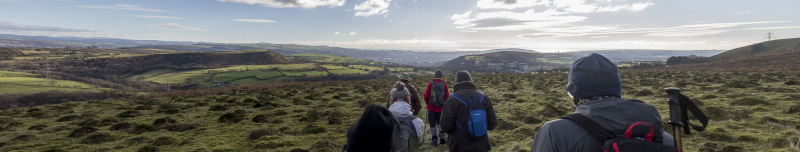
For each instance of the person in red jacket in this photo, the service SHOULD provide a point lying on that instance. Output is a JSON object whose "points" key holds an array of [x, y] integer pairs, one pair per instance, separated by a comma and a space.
{"points": [[435, 112]]}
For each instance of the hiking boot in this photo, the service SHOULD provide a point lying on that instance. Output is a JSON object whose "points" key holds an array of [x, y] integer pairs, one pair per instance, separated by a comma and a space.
{"points": [[441, 141], [433, 141]]}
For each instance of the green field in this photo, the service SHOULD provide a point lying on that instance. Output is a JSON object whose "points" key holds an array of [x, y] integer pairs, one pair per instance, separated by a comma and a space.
{"points": [[348, 71], [304, 73], [35, 85], [334, 67], [16, 74], [228, 76], [368, 67]]}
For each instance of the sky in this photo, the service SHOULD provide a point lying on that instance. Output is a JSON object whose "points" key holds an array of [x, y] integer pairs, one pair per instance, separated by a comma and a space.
{"points": [[417, 25]]}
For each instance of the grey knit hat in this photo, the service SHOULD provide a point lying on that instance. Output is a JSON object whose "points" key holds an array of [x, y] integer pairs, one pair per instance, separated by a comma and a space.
{"points": [[399, 91], [463, 76]]}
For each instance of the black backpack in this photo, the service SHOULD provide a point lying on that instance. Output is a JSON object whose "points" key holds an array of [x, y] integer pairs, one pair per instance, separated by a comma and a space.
{"points": [[437, 94], [638, 137]]}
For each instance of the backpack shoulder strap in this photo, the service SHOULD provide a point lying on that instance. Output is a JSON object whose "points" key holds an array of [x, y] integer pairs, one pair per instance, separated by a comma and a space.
{"points": [[590, 126], [457, 98]]}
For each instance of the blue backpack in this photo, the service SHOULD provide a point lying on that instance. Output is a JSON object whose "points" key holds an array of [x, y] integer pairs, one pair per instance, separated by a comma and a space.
{"points": [[476, 117]]}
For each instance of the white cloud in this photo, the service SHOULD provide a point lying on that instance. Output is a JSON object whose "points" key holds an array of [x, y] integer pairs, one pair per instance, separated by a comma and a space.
{"points": [[676, 31], [336, 33], [175, 26], [511, 21], [557, 13], [123, 7], [158, 17], [508, 4], [291, 3], [372, 7], [353, 32], [573, 6], [254, 20], [8, 26]]}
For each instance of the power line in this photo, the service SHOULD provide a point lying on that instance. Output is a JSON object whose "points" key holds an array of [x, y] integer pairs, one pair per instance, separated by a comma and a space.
{"points": [[769, 36]]}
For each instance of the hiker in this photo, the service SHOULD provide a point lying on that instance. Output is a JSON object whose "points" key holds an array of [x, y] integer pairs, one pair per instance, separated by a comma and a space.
{"points": [[467, 115], [596, 89], [414, 102], [435, 95], [410, 125], [373, 132]]}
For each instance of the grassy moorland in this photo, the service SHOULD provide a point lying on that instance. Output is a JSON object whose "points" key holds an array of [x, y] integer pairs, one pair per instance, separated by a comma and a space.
{"points": [[749, 111]]}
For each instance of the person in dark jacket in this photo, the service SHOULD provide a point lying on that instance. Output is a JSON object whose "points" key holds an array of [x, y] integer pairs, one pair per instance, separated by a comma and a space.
{"points": [[416, 105], [454, 114], [435, 113], [373, 132], [596, 89]]}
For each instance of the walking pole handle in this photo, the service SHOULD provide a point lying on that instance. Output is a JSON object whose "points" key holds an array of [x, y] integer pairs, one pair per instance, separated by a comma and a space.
{"points": [[674, 106], [675, 114]]}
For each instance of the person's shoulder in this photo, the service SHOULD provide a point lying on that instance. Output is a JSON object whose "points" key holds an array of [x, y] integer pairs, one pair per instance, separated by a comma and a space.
{"points": [[559, 124]]}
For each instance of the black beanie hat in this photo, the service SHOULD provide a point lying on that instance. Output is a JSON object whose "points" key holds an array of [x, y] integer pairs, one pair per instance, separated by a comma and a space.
{"points": [[438, 74], [463, 76], [372, 132], [594, 75]]}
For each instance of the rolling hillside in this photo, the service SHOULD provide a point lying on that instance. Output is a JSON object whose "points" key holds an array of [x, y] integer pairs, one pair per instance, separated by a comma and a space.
{"points": [[766, 56], [511, 62]]}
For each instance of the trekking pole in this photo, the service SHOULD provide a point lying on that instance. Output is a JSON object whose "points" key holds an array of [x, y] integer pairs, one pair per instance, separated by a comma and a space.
{"points": [[675, 114]]}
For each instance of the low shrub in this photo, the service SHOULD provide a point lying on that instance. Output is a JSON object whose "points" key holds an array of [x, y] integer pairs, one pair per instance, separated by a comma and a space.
{"points": [[180, 127], [82, 131], [121, 126], [37, 127], [141, 128], [129, 114], [164, 121], [98, 138], [68, 118], [164, 140], [230, 118], [262, 132]]}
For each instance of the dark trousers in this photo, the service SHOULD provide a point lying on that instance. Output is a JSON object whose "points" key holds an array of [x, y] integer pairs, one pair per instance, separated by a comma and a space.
{"points": [[433, 120]]}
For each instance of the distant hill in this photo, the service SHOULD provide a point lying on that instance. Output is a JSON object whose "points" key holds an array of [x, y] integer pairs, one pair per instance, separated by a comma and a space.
{"points": [[776, 55], [428, 59], [101, 67], [37, 43], [646, 55], [782, 45], [82, 41], [511, 62]]}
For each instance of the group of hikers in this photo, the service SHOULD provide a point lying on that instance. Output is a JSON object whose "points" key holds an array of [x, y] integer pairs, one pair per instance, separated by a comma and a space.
{"points": [[601, 121]]}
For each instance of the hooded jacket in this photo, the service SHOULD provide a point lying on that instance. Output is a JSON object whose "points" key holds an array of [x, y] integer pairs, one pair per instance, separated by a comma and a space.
{"points": [[455, 112], [402, 109], [591, 77], [416, 104], [613, 114]]}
